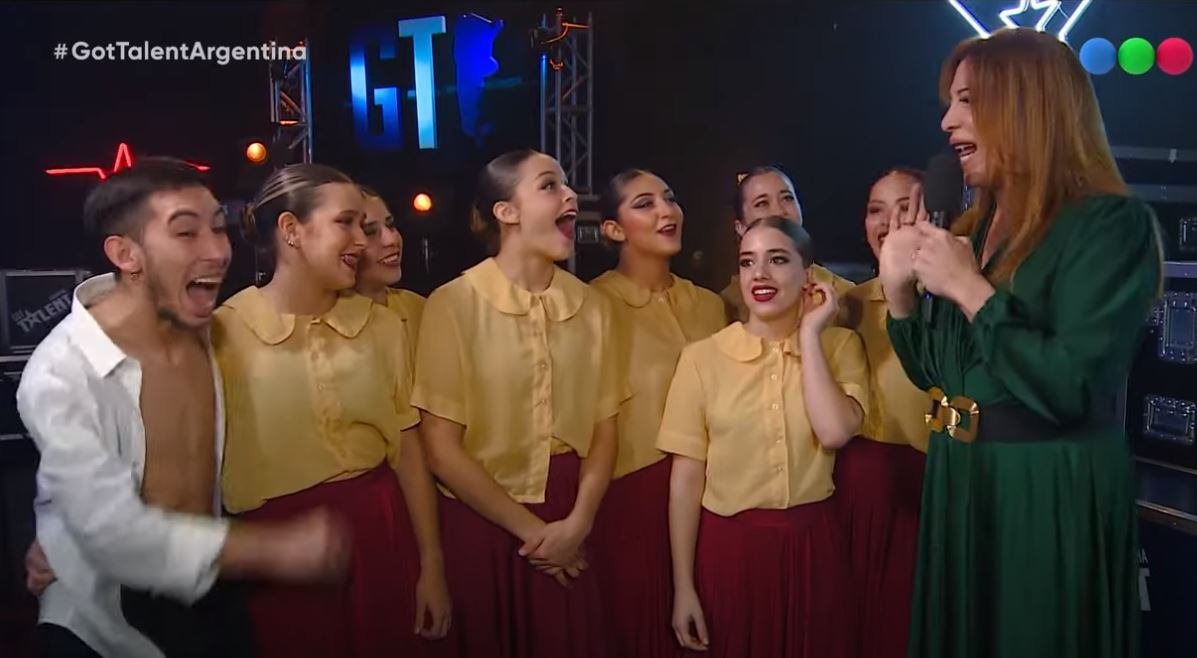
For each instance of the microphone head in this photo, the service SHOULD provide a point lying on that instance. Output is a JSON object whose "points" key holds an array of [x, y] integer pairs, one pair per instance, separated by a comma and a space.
{"points": [[943, 187]]}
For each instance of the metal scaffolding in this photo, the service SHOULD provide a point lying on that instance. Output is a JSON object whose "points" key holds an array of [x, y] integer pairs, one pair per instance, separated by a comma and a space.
{"points": [[291, 108], [567, 95]]}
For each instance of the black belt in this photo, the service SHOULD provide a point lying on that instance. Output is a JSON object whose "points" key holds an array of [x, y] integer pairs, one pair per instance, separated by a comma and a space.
{"points": [[963, 419]]}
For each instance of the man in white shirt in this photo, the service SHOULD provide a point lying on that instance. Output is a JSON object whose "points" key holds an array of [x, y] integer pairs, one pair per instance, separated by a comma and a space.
{"points": [[123, 399]]}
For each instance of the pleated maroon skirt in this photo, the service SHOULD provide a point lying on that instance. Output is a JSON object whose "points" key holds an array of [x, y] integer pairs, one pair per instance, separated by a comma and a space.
{"points": [[502, 606], [776, 583], [373, 612], [878, 491], [630, 551]]}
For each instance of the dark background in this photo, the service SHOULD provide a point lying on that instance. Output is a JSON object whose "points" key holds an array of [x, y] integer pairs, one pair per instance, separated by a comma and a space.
{"points": [[834, 91]]}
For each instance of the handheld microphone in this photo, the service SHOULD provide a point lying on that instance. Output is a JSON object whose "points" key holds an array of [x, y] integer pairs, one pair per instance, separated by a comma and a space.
{"points": [[943, 196]]}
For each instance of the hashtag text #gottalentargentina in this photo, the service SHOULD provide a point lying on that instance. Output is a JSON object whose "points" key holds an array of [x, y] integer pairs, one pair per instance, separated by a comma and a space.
{"points": [[197, 51]]}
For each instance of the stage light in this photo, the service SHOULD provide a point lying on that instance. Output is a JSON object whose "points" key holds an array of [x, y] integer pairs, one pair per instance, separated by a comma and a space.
{"points": [[1099, 56], [256, 152], [1136, 56], [422, 203], [1174, 56]]}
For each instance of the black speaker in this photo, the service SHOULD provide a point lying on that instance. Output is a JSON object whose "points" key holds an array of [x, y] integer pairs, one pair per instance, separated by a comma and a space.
{"points": [[1161, 392], [31, 303]]}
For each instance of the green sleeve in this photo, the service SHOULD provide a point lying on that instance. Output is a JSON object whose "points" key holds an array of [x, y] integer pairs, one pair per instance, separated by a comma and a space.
{"points": [[1063, 361], [909, 338]]}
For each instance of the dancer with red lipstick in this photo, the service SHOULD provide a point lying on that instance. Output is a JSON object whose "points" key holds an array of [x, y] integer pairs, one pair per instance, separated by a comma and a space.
{"points": [[753, 419], [518, 390], [318, 386], [766, 191], [656, 315]]}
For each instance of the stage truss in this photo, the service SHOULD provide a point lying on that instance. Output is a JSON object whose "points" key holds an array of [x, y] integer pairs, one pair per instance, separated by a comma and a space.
{"points": [[567, 95], [291, 109]]}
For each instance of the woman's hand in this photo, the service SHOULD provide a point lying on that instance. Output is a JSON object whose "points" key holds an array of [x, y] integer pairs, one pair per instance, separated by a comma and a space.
{"points": [[819, 306], [689, 623], [947, 267], [434, 609], [557, 549], [896, 261]]}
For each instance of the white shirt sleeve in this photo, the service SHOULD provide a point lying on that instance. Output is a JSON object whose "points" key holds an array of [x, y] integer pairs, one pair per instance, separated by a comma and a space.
{"points": [[95, 491]]}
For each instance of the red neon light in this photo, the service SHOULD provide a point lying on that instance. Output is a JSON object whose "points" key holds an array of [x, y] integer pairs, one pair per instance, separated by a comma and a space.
{"points": [[124, 160]]}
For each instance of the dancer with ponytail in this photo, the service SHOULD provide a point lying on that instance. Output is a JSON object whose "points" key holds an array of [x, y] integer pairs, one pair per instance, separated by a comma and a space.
{"points": [[318, 387], [519, 389], [656, 314]]}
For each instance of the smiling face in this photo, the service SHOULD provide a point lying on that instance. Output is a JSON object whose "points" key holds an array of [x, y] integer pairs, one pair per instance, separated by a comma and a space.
{"points": [[772, 273], [381, 261], [766, 194], [962, 133], [648, 219], [184, 253], [331, 242], [890, 191]]}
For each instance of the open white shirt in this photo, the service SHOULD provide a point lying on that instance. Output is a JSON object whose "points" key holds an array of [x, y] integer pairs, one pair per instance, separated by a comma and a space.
{"points": [[80, 400]]}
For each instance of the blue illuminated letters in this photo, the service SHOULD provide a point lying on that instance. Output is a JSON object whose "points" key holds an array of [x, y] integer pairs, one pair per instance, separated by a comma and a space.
{"points": [[472, 50]]}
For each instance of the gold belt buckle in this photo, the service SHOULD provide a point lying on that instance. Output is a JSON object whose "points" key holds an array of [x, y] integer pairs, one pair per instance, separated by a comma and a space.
{"points": [[944, 415]]}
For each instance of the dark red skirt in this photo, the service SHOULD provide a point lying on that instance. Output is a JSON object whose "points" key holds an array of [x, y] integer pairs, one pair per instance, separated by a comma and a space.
{"points": [[878, 491], [502, 606], [631, 554], [373, 612], [776, 583]]}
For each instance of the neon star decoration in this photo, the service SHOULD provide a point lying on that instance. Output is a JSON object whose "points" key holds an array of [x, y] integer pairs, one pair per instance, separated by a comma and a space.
{"points": [[1050, 9], [124, 160], [1052, 6]]}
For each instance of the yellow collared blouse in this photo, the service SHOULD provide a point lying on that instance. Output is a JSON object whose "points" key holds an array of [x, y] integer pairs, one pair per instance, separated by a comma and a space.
{"points": [[308, 399], [527, 374], [652, 328], [895, 414], [736, 403], [410, 308]]}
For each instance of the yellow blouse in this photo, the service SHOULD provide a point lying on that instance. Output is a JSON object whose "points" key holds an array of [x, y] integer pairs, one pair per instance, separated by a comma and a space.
{"points": [[736, 309], [410, 307], [527, 374], [308, 399], [651, 330], [736, 403], [896, 405]]}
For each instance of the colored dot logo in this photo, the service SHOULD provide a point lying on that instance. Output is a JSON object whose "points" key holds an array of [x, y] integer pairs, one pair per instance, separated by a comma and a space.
{"points": [[1137, 56]]}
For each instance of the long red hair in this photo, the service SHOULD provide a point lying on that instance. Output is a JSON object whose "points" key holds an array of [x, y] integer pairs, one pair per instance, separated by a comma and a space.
{"points": [[1035, 112]]}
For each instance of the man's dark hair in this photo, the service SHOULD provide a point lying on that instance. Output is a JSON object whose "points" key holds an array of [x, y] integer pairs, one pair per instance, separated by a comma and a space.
{"points": [[117, 206]]}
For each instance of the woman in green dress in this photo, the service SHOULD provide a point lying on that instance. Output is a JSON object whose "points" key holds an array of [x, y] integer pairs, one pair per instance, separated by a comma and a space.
{"points": [[1028, 540]]}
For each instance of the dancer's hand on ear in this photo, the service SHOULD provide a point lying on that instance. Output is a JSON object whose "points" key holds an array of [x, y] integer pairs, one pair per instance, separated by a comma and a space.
{"points": [[819, 306]]}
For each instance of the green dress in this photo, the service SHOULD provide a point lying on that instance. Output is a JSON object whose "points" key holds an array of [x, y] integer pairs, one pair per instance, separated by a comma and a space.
{"points": [[1029, 550]]}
